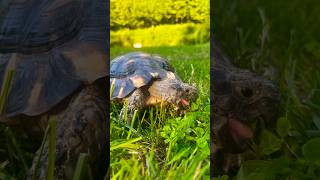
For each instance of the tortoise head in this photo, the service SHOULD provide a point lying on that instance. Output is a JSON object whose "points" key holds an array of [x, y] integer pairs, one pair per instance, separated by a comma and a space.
{"points": [[183, 94], [175, 92], [243, 103]]}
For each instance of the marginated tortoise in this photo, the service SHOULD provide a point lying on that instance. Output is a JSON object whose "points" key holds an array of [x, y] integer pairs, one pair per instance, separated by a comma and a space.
{"points": [[146, 80]]}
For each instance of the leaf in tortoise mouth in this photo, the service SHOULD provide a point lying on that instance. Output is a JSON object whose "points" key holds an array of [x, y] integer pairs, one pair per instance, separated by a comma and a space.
{"points": [[184, 102], [239, 130]]}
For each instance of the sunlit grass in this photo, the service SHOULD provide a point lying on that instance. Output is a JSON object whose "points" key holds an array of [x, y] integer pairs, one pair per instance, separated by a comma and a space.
{"points": [[159, 144]]}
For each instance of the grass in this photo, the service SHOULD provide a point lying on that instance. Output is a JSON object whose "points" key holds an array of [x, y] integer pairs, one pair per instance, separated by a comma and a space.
{"points": [[158, 144], [14, 154], [279, 37], [17, 153], [52, 148], [162, 35]]}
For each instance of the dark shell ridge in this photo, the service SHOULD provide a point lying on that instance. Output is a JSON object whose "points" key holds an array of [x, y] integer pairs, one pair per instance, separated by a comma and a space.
{"points": [[54, 47]]}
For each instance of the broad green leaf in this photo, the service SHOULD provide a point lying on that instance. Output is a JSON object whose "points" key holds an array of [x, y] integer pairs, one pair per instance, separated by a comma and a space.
{"points": [[256, 176], [311, 150], [269, 143], [283, 126], [252, 166]]}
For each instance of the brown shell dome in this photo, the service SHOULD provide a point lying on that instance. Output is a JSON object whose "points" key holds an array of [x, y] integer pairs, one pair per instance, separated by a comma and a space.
{"points": [[134, 70], [54, 47]]}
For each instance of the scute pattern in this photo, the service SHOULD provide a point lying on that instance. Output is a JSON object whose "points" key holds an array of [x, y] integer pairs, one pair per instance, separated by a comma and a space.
{"points": [[135, 70], [49, 24], [45, 43]]}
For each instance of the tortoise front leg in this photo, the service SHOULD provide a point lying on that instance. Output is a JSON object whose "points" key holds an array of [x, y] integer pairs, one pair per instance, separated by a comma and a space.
{"points": [[81, 128], [231, 162], [136, 101]]}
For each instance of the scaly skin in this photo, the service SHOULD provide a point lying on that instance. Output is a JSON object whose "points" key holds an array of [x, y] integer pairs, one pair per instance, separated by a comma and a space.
{"points": [[240, 98], [81, 128], [167, 91]]}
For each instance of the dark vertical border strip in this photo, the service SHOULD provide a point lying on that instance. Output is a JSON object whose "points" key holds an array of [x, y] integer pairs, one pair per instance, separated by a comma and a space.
{"points": [[108, 88], [211, 93]]}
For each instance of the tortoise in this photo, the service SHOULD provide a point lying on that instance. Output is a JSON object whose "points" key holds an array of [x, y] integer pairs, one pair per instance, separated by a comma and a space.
{"points": [[57, 50], [146, 80], [243, 103]]}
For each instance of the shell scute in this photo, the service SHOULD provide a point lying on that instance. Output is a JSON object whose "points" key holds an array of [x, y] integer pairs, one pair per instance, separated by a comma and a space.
{"points": [[135, 70], [54, 47]]}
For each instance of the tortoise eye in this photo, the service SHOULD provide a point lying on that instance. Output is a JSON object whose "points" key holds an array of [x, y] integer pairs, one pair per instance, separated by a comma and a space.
{"points": [[246, 92]]}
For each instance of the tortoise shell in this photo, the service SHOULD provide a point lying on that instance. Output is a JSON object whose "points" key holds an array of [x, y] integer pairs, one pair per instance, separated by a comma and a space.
{"points": [[135, 70], [53, 47]]}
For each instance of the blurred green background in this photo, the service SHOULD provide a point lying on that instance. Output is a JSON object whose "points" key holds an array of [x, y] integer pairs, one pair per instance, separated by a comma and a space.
{"points": [[146, 23]]}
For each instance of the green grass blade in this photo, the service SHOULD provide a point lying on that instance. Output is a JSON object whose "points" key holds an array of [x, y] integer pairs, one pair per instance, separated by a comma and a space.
{"points": [[112, 88], [36, 169], [80, 171], [52, 148], [178, 156], [132, 123], [5, 89], [126, 144], [14, 149], [6, 176]]}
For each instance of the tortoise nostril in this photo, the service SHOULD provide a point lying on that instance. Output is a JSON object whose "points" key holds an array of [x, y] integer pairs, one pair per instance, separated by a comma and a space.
{"points": [[246, 92]]}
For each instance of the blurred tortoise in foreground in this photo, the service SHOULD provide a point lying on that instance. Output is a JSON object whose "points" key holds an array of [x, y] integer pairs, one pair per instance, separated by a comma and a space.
{"points": [[146, 80], [243, 103], [57, 51]]}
